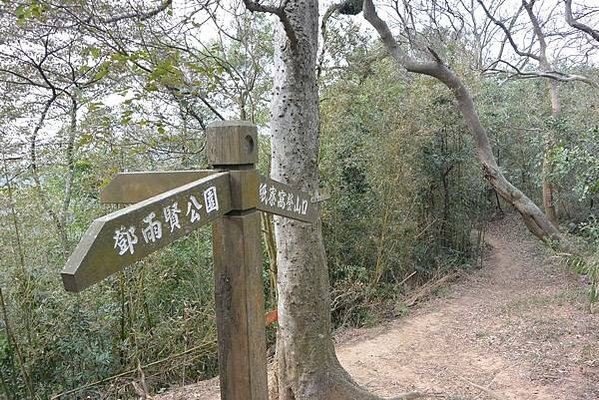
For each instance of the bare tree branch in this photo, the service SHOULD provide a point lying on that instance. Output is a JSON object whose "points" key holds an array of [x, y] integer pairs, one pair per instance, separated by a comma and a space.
{"points": [[254, 6], [323, 33], [575, 23], [138, 15], [546, 69], [517, 74], [505, 30]]}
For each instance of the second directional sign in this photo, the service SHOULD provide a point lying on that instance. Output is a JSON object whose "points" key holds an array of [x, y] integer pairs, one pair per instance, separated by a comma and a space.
{"points": [[280, 199], [125, 236]]}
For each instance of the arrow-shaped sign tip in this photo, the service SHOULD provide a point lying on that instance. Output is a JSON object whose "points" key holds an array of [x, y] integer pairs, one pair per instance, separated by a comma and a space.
{"points": [[69, 282], [76, 275]]}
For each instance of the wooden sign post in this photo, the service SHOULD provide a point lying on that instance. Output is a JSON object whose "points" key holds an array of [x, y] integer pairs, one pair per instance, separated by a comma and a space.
{"points": [[169, 205], [237, 253]]}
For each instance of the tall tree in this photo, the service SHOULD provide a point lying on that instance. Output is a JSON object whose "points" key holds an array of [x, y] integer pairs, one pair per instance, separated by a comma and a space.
{"points": [[308, 368], [556, 111]]}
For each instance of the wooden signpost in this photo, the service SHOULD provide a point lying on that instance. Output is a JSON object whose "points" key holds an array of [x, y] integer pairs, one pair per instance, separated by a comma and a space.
{"points": [[168, 206]]}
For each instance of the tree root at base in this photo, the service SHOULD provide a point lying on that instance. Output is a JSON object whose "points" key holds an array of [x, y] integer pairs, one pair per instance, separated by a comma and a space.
{"points": [[343, 387]]}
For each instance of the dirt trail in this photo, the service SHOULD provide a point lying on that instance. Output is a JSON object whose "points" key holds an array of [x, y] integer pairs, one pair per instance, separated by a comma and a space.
{"points": [[516, 329]]}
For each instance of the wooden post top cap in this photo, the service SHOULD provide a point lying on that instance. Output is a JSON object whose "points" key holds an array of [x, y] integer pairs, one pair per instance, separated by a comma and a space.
{"points": [[230, 123], [232, 143]]}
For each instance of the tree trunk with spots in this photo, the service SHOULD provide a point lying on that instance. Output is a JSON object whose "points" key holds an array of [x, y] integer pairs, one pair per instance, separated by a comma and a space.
{"points": [[303, 342], [308, 368]]}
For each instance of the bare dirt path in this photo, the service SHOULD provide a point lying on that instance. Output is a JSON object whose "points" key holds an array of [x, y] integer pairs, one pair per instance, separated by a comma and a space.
{"points": [[516, 329]]}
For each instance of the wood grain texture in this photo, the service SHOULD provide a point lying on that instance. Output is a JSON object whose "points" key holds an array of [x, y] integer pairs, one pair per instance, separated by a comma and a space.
{"points": [[240, 307], [281, 199], [258, 191], [239, 292], [232, 143]]}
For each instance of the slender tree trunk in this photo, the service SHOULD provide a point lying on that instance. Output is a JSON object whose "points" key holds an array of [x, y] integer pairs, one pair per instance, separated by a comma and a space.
{"points": [[23, 278], [268, 232], [43, 197], [13, 340], [70, 158], [548, 190]]}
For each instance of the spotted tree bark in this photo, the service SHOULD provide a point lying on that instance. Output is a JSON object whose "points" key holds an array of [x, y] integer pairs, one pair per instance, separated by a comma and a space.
{"points": [[307, 367], [304, 347], [536, 221]]}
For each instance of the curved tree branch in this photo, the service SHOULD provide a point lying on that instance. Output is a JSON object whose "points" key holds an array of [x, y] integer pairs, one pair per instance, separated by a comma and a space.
{"points": [[37, 180], [254, 6], [536, 221], [323, 33], [575, 23], [517, 73], [505, 30]]}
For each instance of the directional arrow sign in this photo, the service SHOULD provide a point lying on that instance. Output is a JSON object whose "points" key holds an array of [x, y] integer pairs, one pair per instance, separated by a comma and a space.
{"points": [[280, 199], [275, 197], [128, 235]]}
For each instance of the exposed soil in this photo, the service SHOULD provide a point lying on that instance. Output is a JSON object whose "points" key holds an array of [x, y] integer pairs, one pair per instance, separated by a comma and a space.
{"points": [[519, 328]]}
